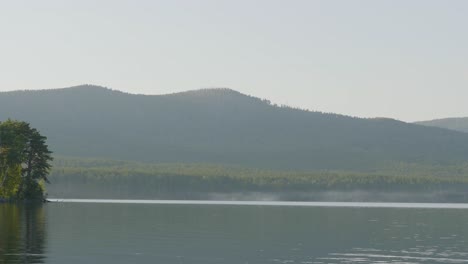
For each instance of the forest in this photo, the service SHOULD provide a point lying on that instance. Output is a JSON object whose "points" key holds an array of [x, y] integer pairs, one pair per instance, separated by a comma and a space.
{"points": [[111, 144], [100, 178], [223, 126]]}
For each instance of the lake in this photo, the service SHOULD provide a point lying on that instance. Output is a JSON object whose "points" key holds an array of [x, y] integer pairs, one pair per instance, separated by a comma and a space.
{"points": [[97, 231]]}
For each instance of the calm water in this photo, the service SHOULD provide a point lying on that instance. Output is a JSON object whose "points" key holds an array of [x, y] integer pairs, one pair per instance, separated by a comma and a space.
{"points": [[174, 232]]}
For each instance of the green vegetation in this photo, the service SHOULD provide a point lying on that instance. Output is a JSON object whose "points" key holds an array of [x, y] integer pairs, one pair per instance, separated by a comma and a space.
{"points": [[222, 126], [221, 141], [80, 178], [24, 161]]}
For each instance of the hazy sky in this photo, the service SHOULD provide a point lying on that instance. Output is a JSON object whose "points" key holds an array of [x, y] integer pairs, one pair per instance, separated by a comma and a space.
{"points": [[404, 59]]}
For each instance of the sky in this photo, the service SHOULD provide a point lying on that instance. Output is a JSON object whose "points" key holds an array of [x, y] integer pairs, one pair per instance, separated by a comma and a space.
{"points": [[404, 59]]}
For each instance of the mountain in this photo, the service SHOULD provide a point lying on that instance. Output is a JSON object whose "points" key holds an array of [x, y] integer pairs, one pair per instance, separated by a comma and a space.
{"points": [[457, 123], [222, 126]]}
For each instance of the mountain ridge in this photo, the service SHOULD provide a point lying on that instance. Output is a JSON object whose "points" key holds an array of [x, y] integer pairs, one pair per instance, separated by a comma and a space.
{"points": [[96, 88], [453, 123], [202, 92], [216, 91], [225, 127]]}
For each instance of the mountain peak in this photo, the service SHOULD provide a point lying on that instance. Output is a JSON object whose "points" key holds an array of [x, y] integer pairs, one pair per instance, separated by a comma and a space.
{"points": [[89, 88], [206, 92], [84, 88], [215, 95]]}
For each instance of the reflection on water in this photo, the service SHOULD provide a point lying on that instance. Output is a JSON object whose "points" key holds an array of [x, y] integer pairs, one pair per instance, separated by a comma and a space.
{"points": [[22, 233], [230, 234]]}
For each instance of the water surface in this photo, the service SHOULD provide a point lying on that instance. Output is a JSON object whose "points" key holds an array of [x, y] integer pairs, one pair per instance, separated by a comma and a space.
{"points": [[231, 232], [272, 203]]}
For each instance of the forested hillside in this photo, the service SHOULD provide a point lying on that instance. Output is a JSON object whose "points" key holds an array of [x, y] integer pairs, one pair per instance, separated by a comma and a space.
{"points": [[222, 126], [457, 124], [95, 178]]}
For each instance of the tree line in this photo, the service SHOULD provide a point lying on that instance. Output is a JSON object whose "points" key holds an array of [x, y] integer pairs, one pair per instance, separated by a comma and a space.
{"points": [[24, 161], [92, 178]]}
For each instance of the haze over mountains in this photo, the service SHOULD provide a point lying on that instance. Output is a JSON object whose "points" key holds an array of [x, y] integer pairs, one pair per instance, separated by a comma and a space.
{"points": [[222, 126], [457, 124]]}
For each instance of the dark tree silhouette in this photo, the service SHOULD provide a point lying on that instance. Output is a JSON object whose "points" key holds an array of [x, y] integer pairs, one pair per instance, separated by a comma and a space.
{"points": [[24, 160]]}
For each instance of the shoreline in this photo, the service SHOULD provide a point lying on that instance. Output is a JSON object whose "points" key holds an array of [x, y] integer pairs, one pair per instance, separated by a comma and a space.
{"points": [[270, 203]]}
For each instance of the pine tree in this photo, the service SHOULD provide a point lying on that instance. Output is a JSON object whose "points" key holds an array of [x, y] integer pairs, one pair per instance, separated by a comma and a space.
{"points": [[24, 161]]}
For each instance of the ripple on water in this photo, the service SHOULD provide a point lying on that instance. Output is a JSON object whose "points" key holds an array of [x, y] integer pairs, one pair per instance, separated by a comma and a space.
{"points": [[405, 256]]}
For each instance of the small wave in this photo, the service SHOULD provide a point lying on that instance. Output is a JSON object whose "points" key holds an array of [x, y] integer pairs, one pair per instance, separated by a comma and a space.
{"points": [[397, 257]]}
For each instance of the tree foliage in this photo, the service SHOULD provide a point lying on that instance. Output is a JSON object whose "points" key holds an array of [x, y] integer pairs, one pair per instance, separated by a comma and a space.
{"points": [[24, 161]]}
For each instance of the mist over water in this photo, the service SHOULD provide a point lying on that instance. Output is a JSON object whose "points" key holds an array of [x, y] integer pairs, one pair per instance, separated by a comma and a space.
{"points": [[424, 196], [234, 132], [270, 203]]}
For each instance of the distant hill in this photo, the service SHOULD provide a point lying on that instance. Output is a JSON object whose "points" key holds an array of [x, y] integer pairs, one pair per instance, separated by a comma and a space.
{"points": [[222, 126], [457, 124]]}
